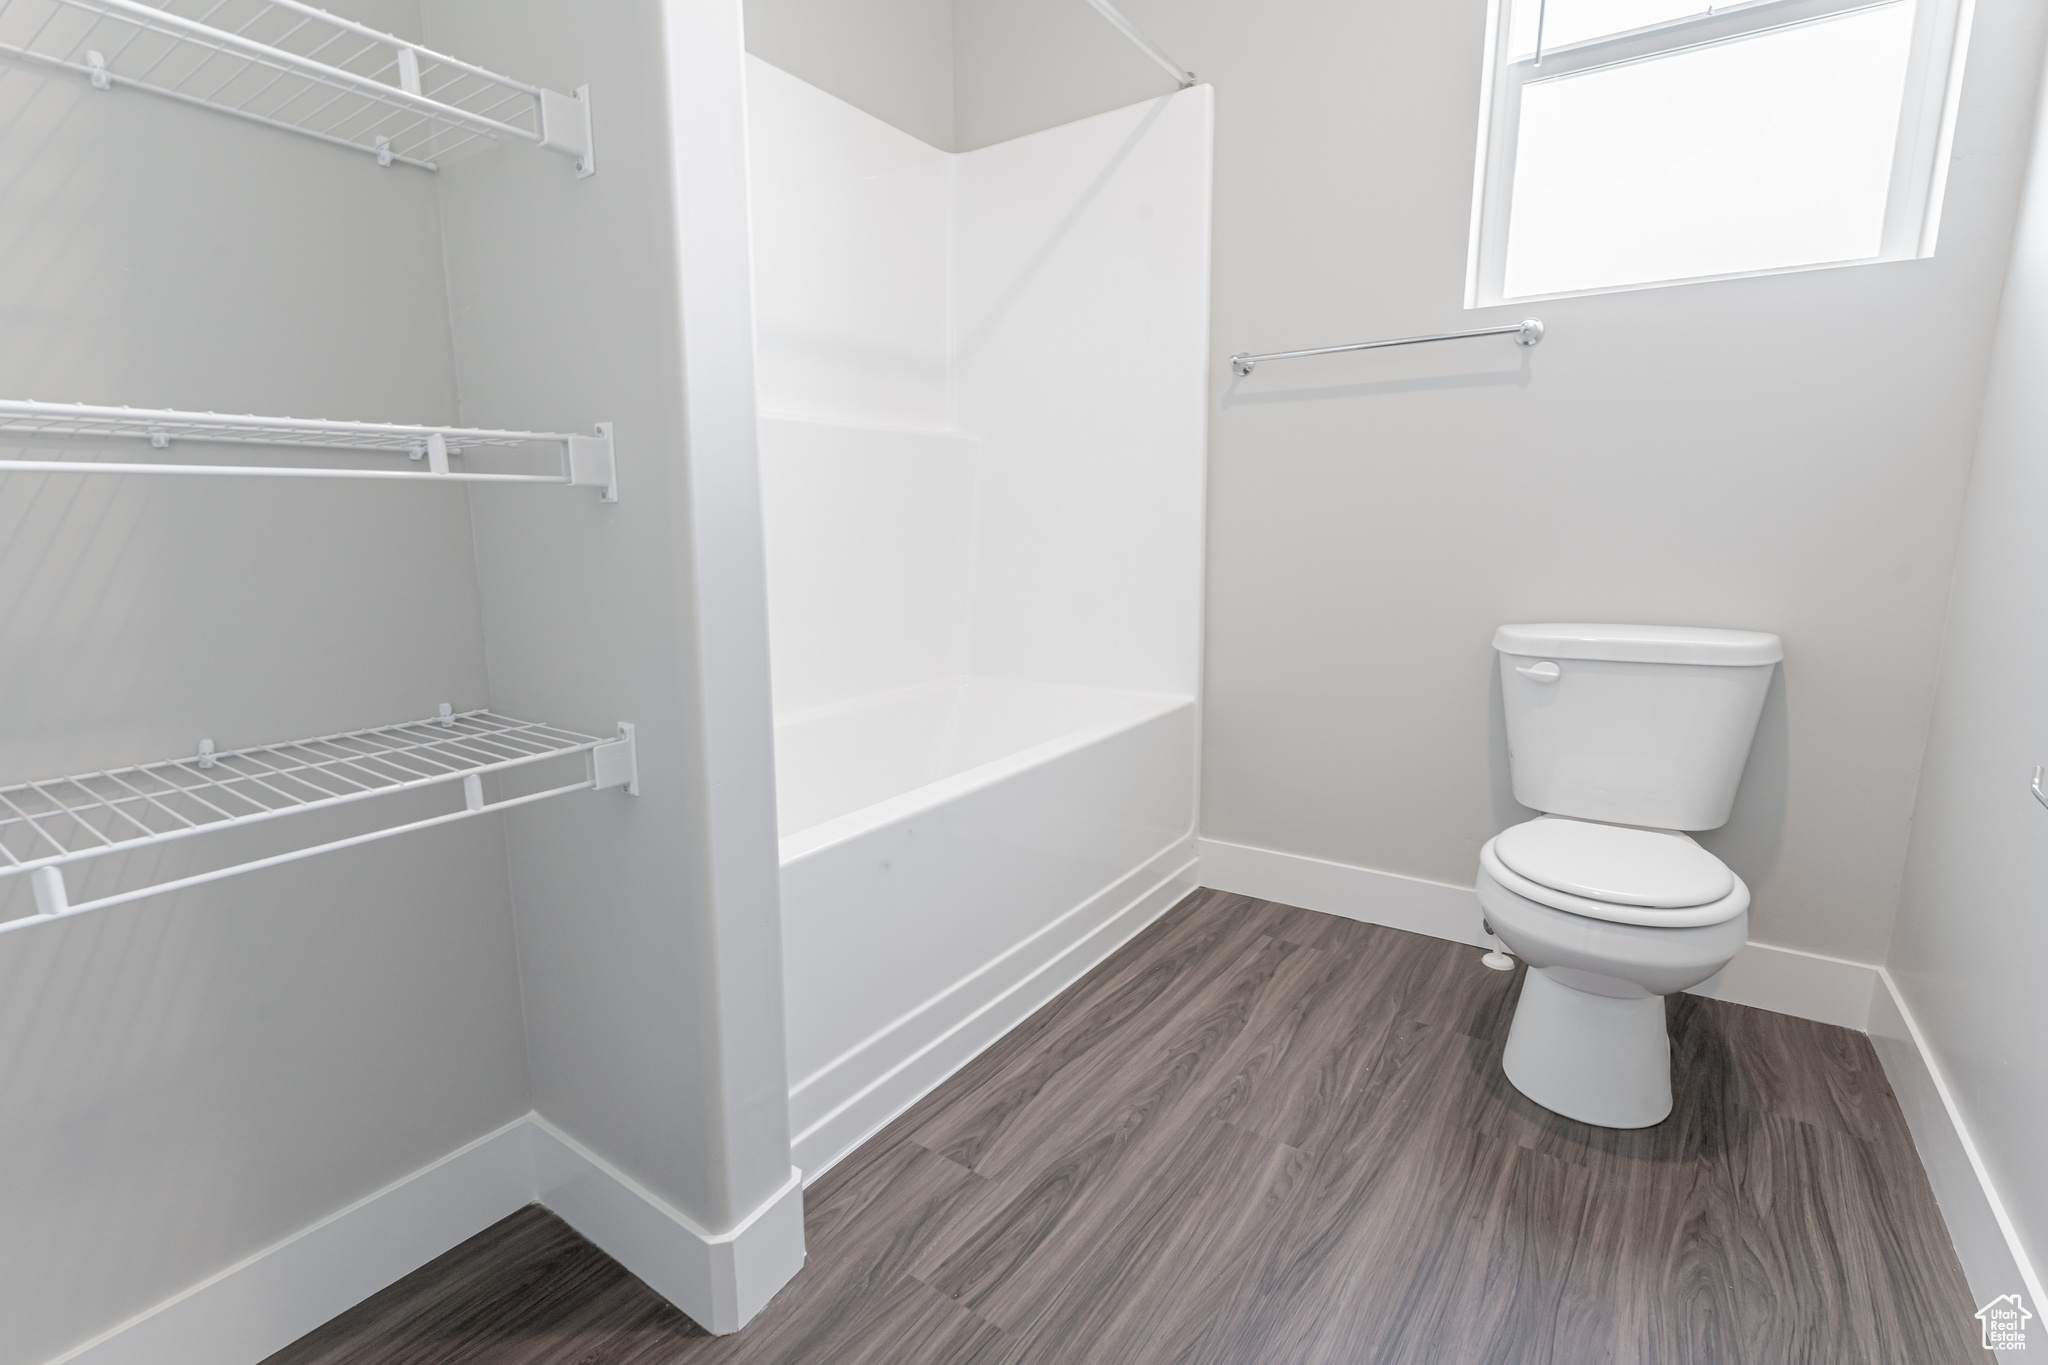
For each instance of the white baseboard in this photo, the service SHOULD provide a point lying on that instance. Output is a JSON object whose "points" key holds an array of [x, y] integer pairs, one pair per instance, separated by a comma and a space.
{"points": [[265, 1302], [1437, 909], [1994, 1260], [1829, 990], [845, 1105], [1785, 980], [270, 1299], [720, 1279]]}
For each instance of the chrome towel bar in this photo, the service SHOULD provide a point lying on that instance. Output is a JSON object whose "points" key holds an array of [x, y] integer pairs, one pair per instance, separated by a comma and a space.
{"points": [[1527, 332]]}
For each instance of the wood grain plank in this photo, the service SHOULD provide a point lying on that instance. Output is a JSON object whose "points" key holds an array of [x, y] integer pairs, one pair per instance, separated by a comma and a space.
{"points": [[1132, 998], [1080, 1146], [860, 1244], [1256, 1133], [1815, 1073], [1142, 1265], [529, 1291], [1837, 1267]]}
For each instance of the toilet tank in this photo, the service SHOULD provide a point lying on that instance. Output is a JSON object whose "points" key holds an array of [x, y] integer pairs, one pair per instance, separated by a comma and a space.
{"points": [[1636, 725]]}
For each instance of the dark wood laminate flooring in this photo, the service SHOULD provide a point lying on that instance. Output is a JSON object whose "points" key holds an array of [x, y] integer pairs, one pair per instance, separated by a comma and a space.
{"points": [[1260, 1134]]}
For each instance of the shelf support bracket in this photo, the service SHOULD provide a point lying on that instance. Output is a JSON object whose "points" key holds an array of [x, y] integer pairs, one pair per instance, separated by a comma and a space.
{"points": [[49, 888], [565, 127], [591, 464], [408, 71], [616, 763], [96, 71]]}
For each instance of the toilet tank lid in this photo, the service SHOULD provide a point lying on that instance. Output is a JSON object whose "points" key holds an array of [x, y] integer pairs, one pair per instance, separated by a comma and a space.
{"points": [[1642, 644]]}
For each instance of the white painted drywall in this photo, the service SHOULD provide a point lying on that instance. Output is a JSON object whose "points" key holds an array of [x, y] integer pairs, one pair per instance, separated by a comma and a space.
{"points": [[1019, 69], [188, 1079], [1970, 939], [648, 930], [965, 74], [892, 57], [1785, 453]]}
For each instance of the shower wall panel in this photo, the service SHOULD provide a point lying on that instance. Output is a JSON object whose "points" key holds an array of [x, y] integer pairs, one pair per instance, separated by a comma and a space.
{"points": [[869, 557], [1081, 299], [850, 259]]}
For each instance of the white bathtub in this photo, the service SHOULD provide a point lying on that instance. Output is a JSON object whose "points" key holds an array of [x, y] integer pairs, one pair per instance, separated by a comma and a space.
{"points": [[953, 856]]}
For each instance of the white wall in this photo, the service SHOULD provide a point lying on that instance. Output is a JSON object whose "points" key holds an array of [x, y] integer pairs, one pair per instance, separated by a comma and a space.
{"points": [[891, 57], [958, 74], [1018, 69], [1970, 938], [186, 1080], [648, 931], [1783, 453]]}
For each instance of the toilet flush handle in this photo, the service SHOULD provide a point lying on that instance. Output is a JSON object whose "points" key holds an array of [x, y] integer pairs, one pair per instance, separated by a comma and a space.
{"points": [[1545, 672]]}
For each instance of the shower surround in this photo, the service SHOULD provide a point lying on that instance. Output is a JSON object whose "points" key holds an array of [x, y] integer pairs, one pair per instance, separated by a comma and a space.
{"points": [[983, 382]]}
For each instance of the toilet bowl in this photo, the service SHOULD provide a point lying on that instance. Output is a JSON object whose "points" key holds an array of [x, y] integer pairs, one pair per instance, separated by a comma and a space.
{"points": [[1588, 1039], [1624, 737]]}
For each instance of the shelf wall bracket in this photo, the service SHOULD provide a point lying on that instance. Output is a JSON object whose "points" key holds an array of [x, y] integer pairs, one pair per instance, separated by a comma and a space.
{"points": [[592, 465], [565, 127], [616, 763], [409, 71], [48, 883]]}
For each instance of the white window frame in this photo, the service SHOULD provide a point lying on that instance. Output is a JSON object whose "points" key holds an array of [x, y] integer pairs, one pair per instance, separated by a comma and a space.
{"points": [[1919, 158]]}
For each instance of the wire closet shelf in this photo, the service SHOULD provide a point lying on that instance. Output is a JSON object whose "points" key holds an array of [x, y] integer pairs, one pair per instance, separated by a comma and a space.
{"points": [[291, 66], [584, 461], [56, 823]]}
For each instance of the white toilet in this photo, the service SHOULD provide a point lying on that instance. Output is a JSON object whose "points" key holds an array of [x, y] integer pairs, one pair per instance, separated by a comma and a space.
{"points": [[1624, 736]]}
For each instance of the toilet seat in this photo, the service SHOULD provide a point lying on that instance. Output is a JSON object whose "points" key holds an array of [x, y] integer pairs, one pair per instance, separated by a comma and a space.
{"points": [[1618, 864], [1615, 873]]}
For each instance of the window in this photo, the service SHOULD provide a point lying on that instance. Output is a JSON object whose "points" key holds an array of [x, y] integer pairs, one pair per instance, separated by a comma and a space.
{"points": [[1637, 142]]}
